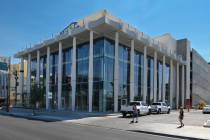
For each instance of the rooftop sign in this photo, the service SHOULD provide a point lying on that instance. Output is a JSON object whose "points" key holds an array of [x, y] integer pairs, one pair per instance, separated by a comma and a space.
{"points": [[71, 26]]}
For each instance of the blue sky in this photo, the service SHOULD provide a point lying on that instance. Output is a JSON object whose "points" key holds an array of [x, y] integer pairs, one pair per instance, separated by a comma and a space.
{"points": [[25, 22]]}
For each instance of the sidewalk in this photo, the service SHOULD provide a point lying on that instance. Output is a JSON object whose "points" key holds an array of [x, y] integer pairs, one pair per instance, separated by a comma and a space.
{"points": [[163, 124], [171, 130]]}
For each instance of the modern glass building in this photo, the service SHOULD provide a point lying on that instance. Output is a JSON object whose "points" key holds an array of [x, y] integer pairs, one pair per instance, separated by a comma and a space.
{"points": [[101, 63]]}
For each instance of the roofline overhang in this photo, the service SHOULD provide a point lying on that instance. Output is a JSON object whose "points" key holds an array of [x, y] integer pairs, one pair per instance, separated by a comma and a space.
{"points": [[95, 20]]}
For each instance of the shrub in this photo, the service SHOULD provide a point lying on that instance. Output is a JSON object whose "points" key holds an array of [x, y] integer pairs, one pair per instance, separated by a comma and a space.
{"points": [[201, 105]]}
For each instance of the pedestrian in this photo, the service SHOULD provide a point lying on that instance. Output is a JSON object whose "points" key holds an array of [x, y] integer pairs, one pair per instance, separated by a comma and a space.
{"points": [[181, 116], [135, 114]]}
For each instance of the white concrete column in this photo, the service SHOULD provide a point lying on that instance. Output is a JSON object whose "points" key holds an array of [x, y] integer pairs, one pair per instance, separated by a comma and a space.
{"points": [[183, 84], [145, 75], [171, 82], [60, 66], [160, 84], [37, 67], [73, 73], [188, 73], [177, 85], [155, 77], [47, 77], [116, 72], [132, 71], [29, 75], [164, 81], [21, 76], [90, 73]]}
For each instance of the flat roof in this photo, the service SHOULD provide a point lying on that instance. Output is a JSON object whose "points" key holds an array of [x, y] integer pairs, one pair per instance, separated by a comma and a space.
{"points": [[109, 22]]}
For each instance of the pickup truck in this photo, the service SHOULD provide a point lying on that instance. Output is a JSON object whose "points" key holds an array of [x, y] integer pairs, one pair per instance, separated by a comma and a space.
{"points": [[142, 108], [160, 107]]}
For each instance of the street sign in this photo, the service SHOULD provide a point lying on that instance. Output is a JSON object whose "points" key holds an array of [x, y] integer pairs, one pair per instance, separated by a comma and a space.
{"points": [[49, 95]]}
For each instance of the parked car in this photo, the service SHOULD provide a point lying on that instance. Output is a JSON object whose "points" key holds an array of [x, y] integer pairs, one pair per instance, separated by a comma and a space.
{"points": [[206, 109], [160, 107], [142, 108]]}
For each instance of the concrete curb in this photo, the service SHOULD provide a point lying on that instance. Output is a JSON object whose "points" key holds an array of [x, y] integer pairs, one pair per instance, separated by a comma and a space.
{"points": [[166, 135], [141, 131], [30, 117], [146, 132]]}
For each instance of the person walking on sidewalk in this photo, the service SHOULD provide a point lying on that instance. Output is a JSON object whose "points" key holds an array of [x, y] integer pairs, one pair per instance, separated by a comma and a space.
{"points": [[135, 114], [181, 116]]}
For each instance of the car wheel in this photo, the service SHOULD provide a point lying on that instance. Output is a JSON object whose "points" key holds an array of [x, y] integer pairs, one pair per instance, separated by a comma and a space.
{"points": [[124, 115], [168, 111], [159, 111]]}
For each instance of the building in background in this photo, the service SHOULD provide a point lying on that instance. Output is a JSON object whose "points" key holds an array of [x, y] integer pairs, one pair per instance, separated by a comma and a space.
{"points": [[100, 62], [16, 95], [4, 63], [200, 79]]}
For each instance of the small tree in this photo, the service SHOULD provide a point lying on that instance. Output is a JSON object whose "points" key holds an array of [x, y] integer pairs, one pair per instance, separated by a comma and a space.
{"points": [[35, 96], [201, 104]]}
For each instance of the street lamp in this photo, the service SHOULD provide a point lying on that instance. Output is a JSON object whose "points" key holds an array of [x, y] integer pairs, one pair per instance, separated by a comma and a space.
{"points": [[16, 83]]}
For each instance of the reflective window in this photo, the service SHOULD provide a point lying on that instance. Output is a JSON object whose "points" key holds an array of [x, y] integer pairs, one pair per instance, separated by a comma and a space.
{"points": [[109, 48], [150, 79], [98, 49], [42, 80], [66, 88], [83, 51], [53, 79], [124, 75], [103, 75], [82, 97], [82, 66], [138, 76], [33, 71]]}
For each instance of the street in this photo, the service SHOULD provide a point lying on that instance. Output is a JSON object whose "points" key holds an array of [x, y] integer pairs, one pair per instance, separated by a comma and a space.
{"points": [[22, 129]]}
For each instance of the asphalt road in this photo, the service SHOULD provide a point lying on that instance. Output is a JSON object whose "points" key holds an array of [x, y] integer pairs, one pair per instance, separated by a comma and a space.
{"points": [[22, 129]]}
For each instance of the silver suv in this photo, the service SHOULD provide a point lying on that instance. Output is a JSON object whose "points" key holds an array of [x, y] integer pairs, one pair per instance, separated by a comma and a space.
{"points": [[160, 107]]}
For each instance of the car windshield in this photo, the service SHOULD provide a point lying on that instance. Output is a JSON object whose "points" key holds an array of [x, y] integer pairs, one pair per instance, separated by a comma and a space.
{"points": [[144, 104], [133, 103], [155, 103]]}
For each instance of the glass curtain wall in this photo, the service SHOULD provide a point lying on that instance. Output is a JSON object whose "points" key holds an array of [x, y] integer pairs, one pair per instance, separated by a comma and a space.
{"points": [[42, 81], [103, 75], [66, 96], [31, 97], [124, 75], [33, 72], [82, 77], [98, 77], [53, 80], [108, 75], [138, 76], [150, 80]]}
